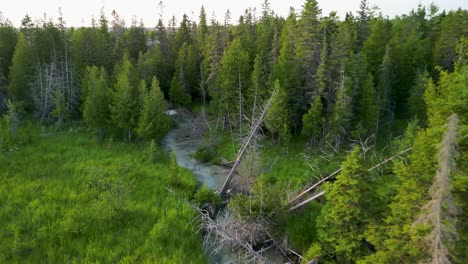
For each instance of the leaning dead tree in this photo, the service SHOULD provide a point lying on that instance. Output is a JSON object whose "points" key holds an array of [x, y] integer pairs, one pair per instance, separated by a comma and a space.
{"points": [[441, 210], [253, 131], [324, 179]]}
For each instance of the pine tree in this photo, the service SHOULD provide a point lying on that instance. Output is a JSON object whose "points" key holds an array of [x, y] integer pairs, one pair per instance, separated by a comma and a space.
{"points": [[309, 43], [341, 223], [154, 122], [233, 80], [177, 92], [96, 111], [124, 107], [367, 111], [312, 121], [285, 70], [21, 72], [278, 116]]}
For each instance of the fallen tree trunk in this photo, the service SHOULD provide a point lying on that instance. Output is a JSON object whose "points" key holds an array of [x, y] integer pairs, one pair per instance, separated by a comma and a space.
{"points": [[295, 199], [244, 146]]}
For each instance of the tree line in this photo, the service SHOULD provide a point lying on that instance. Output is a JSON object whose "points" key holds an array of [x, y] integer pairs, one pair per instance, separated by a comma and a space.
{"points": [[356, 77]]}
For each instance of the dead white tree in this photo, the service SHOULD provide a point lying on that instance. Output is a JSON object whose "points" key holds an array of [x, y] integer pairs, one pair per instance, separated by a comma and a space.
{"points": [[253, 131], [51, 77], [441, 210]]}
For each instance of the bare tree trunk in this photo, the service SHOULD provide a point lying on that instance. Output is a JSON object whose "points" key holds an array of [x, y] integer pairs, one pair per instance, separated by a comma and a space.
{"points": [[245, 145], [295, 199], [441, 210]]}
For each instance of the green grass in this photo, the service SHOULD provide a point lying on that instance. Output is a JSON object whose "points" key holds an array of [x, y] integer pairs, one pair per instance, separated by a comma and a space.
{"points": [[69, 199]]}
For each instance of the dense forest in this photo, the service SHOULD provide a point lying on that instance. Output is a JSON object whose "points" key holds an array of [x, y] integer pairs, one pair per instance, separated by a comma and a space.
{"points": [[346, 137]]}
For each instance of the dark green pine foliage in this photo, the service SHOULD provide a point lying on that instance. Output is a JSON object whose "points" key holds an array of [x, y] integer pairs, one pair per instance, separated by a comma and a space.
{"points": [[136, 39], [21, 71], [96, 111], [125, 99], [177, 93], [278, 116], [308, 47], [233, 83], [342, 222], [417, 106], [154, 123], [286, 70]]}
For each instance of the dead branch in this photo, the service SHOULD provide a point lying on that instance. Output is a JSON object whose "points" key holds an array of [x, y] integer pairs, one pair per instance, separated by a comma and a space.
{"points": [[245, 145], [295, 199], [221, 229], [441, 210]]}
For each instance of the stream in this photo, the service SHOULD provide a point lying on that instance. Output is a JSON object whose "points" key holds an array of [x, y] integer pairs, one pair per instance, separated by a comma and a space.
{"points": [[213, 177]]}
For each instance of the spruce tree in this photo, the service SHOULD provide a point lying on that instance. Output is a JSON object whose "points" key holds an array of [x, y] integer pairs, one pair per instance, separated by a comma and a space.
{"points": [[341, 223], [21, 72], [278, 116], [96, 111], [154, 123]]}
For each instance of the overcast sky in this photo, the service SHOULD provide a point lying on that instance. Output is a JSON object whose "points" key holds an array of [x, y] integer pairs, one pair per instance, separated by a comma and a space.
{"points": [[80, 12]]}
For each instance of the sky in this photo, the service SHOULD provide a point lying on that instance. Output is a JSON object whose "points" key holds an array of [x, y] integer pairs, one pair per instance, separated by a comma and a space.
{"points": [[79, 12]]}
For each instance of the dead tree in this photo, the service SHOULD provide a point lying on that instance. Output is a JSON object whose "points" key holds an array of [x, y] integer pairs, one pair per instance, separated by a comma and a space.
{"points": [[441, 210], [253, 131], [298, 197]]}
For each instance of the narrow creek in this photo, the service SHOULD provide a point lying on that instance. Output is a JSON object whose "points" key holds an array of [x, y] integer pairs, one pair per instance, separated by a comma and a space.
{"points": [[213, 177]]}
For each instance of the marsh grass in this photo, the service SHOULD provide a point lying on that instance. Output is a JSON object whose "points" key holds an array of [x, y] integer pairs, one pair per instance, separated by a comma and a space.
{"points": [[71, 199]]}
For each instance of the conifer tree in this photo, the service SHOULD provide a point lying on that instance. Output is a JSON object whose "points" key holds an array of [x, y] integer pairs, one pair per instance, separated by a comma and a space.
{"points": [[341, 223], [278, 116], [233, 79], [21, 72], [177, 92], [154, 122], [312, 121], [96, 111], [124, 107], [309, 43]]}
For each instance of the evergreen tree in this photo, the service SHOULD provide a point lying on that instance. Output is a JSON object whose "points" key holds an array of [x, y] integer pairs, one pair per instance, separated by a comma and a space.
{"points": [[154, 123], [177, 92], [278, 116], [233, 80], [124, 107], [309, 44], [285, 70], [96, 111], [341, 223], [312, 121], [21, 72]]}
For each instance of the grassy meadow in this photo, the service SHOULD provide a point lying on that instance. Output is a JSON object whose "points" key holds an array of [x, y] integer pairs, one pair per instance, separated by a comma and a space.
{"points": [[64, 198]]}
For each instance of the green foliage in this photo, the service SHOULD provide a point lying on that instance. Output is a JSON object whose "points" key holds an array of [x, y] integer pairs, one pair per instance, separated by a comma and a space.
{"points": [[124, 107], [177, 93], [60, 108], [21, 71], [278, 116], [96, 111], [154, 123], [341, 224], [314, 252], [69, 199], [233, 81], [205, 195], [312, 121], [265, 201], [155, 154]]}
